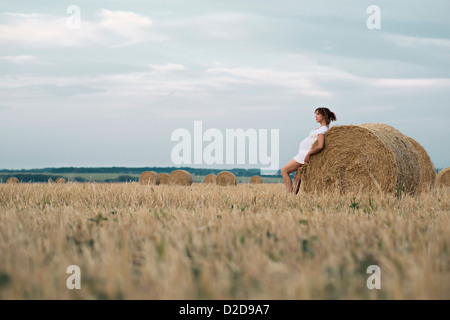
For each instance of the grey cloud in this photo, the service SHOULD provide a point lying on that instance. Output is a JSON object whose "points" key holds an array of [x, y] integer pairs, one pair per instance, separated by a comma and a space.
{"points": [[53, 90]]}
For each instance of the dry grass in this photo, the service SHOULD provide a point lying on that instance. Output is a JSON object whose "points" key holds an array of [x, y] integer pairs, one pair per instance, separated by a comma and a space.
{"points": [[60, 180], [212, 242]]}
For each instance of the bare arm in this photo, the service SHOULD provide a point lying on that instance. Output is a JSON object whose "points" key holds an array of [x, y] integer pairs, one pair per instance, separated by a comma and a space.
{"points": [[320, 143]]}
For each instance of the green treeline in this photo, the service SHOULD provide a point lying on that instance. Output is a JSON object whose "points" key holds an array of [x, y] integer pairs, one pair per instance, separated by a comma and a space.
{"points": [[126, 170], [113, 174], [35, 177]]}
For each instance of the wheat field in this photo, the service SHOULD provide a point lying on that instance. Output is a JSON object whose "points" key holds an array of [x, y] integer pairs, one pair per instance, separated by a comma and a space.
{"points": [[212, 242]]}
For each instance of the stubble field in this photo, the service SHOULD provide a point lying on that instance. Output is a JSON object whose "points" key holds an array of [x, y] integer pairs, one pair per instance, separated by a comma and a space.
{"points": [[211, 242]]}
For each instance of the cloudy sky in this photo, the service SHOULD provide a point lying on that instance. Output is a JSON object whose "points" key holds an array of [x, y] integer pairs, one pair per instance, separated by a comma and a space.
{"points": [[112, 92]]}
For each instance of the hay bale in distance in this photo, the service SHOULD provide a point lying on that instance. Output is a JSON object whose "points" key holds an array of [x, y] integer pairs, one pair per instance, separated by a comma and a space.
{"points": [[60, 180], [256, 179], [443, 177], [367, 157], [12, 180], [210, 179], [226, 178], [149, 178], [180, 177], [163, 178]]}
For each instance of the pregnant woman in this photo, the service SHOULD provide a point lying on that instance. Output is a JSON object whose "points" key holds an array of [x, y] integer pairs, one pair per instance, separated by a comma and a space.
{"points": [[323, 116]]}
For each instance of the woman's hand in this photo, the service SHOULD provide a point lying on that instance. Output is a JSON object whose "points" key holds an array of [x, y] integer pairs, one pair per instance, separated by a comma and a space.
{"points": [[316, 149], [307, 158]]}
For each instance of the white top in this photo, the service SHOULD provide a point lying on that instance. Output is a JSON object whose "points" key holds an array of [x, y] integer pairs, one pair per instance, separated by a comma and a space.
{"points": [[307, 143]]}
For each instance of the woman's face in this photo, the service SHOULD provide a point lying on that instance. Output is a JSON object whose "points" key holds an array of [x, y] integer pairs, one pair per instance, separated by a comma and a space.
{"points": [[319, 117]]}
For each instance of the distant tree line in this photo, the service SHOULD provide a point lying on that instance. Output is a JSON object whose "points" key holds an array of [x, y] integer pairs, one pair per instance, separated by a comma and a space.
{"points": [[40, 178], [36, 177], [27, 177], [44, 174], [126, 170], [139, 170]]}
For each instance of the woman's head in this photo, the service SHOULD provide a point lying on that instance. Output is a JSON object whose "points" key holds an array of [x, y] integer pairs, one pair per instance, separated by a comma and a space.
{"points": [[325, 114]]}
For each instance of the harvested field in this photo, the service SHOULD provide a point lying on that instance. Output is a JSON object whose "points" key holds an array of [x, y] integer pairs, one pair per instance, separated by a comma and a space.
{"points": [[210, 242]]}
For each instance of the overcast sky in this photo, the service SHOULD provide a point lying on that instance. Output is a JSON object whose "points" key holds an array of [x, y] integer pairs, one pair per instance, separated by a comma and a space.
{"points": [[112, 92]]}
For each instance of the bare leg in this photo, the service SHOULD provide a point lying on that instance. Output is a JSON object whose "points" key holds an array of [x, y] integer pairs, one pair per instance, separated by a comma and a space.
{"points": [[290, 167]]}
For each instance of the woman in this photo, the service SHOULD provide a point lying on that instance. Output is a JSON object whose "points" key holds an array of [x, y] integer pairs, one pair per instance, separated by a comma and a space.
{"points": [[323, 116]]}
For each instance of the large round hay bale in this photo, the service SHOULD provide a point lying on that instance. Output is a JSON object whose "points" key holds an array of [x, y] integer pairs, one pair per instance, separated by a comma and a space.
{"points": [[210, 179], [256, 179], [427, 170], [163, 178], [367, 157], [443, 177], [60, 180], [226, 178], [180, 177], [149, 178], [12, 180]]}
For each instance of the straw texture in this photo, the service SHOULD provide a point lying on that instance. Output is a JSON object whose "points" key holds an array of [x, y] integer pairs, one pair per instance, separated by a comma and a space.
{"points": [[149, 178], [256, 179], [210, 179], [226, 178], [427, 169], [443, 177], [180, 177], [163, 178], [60, 180], [12, 180], [367, 157]]}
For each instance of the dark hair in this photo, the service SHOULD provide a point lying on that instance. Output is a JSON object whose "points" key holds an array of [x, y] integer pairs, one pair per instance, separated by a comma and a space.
{"points": [[329, 116]]}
